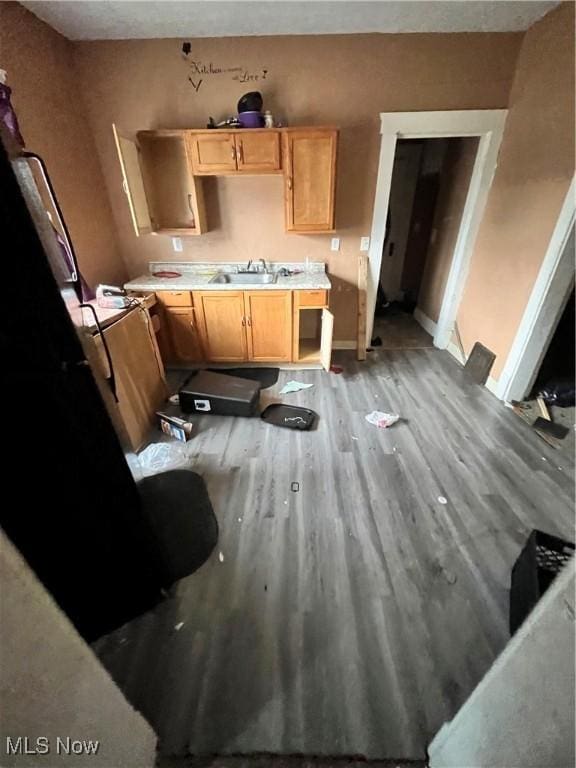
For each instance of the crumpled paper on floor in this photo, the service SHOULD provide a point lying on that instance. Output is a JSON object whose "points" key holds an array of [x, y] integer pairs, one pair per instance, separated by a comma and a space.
{"points": [[381, 419], [294, 386]]}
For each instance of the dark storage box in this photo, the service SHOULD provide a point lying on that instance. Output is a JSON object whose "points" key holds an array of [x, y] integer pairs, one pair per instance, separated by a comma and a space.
{"points": [[208, 392], [535, 569]]}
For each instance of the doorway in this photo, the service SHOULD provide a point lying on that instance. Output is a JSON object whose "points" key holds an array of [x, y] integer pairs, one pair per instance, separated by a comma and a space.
{"points": [[487, 126], [429, 187]]}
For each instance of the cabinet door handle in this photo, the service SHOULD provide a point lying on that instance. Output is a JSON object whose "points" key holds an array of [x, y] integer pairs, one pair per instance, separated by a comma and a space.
{"points": [[289, 182], [249, 320], [192, 325], [243, 321], [240, 151]]}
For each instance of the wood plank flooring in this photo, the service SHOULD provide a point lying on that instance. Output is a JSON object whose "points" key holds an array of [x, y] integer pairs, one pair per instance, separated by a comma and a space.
{"points": [[354, 616]]}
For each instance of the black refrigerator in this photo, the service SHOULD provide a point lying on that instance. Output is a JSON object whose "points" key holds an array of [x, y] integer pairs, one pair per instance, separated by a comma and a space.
{"points": [[69, 503]]}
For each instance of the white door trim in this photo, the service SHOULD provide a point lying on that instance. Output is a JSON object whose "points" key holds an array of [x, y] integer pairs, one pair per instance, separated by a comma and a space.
{"points": [[488, 124], [547, 301]]}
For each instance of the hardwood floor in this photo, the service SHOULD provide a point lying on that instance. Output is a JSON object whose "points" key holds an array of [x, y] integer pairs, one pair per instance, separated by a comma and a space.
{"points": [[354, 616], [399, 330]]}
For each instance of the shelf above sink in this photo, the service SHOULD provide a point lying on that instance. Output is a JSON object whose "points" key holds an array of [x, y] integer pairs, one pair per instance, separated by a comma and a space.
{"points": [[244, 278]]}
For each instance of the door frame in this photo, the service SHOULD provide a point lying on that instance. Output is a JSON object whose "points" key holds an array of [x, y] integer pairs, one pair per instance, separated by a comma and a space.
{"points": [[488, 125], [545, 306]]}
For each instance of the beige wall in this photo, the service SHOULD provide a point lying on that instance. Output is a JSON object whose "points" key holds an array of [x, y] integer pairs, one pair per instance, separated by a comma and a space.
{"points": [[454, 184], [52, 685], [535, 167], [46, 98], [341, 80]]}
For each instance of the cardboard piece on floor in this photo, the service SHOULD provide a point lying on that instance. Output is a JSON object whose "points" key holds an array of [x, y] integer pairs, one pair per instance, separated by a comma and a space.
{"points": [[479, 363]]}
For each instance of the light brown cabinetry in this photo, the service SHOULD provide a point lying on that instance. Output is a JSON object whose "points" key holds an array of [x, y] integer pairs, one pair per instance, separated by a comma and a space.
{"points": [[180, 339], [221, 321], [309, 158], [268, 326], [313, 327], [183, 335], [217, 153], [164, 197]]}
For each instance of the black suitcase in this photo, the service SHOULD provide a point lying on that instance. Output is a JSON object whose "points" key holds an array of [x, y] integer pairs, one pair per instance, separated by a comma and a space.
{"points": [[208, 392]]}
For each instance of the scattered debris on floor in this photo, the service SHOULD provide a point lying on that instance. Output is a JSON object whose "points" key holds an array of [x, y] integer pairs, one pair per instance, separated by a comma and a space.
{"points": [[174, 399], [159, 457], [442, 499], [291, 416], [479, 363], [220, 557], [239, 519], [559, 431], [174, 426], [561, 393], [294, 386], [353, 438], [295, 487], [336, 369], [376, 342], [179, 626], [381, 419]]}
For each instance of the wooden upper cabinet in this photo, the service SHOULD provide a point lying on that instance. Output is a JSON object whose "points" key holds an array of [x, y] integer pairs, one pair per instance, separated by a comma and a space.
{"points": [[309, 157], [212, 153], [221, 153], [268, 325], [132, 181], [221, 323], [163, 195], [258, 151]]}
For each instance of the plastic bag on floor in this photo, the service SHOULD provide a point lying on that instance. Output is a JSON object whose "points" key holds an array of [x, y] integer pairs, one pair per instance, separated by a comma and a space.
{"points": [[159, 457], [381, 419]]}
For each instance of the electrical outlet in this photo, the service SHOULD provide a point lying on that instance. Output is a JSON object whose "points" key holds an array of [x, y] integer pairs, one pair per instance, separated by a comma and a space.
{"points": [[335, 244], [364, 243], [177, 244]]}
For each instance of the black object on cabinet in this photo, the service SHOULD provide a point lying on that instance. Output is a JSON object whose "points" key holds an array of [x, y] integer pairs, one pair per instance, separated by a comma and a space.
{"points": [[70, 504]]}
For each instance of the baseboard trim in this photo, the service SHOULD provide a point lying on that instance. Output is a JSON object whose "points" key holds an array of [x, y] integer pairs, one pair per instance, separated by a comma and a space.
{"points": [[344, 345], [493, 386], [456, 352], [426, 323]]}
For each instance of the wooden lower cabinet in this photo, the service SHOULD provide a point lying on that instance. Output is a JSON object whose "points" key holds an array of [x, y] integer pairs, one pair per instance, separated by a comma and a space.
{"points": [[222, 325], [268, 325], [183, 337]]}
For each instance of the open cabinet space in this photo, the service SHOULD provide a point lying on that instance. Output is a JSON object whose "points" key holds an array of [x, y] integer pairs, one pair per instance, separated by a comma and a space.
{"points": [[163, 195]]}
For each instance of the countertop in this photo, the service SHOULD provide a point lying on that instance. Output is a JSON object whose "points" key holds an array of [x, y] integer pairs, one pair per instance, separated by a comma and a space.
{"points": [[197, 276]]}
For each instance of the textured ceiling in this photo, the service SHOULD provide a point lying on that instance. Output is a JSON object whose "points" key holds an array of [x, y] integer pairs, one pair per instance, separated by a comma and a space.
{"points": [[112, 20]]}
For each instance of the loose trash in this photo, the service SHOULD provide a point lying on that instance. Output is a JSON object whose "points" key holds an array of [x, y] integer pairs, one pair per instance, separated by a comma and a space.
{"points": [[353, 438], [560, 393], [174, 426], [179, 626], [239, 519], [295, 487], [159, 457], [381, 419], [442, 500], [558, 431], [336, 369], [174, 399], [294, 386], [376, 342], [220, 557]]}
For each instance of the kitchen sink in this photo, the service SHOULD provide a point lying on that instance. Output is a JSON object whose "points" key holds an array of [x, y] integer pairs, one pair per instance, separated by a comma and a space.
{"points": [[244, 278]]}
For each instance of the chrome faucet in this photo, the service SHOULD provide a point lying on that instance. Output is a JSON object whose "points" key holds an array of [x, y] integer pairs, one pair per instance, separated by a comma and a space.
{"points": [[263, 264], [248, 265]]}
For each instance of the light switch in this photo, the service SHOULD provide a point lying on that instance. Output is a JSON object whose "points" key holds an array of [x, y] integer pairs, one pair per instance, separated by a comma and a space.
{"points": [[335, 244], [364, 243], [177, 244]]}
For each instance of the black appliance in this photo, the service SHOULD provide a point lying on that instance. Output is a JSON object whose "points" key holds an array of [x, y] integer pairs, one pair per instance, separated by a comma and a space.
{"points": [[217, 393]]}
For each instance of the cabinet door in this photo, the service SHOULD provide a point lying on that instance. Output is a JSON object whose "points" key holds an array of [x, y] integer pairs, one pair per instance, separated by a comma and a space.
{"points": [[268, 325], [310, 178], [258, 151], [222, 324], [132, 181], [212, 153], [326, 339], [183, 335]]}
